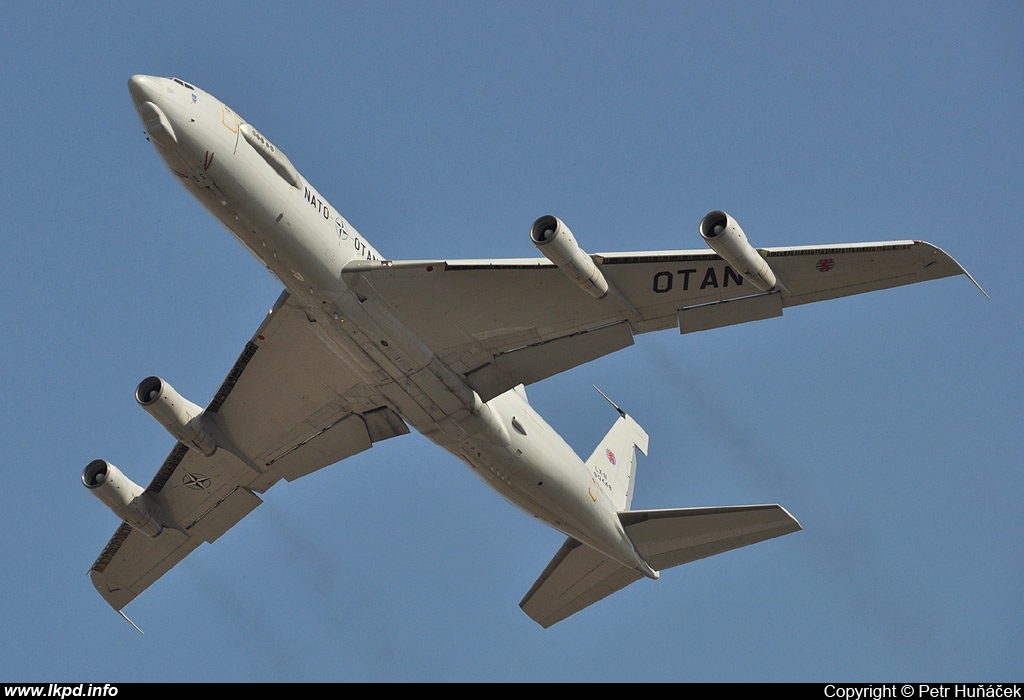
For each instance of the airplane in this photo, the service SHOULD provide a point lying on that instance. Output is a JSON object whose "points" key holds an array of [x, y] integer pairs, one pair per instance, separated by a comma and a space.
{"points": [[360, 347]]}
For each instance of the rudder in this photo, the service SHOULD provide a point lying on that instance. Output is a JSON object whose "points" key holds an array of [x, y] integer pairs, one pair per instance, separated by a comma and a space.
{"points": [[613, 463]]}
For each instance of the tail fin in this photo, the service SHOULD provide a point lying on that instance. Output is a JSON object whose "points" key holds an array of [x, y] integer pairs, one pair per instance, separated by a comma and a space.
{"points": [[612, 465]]}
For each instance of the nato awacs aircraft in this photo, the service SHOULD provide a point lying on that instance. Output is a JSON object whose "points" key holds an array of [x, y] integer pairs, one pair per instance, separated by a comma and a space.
{"points": [[360, 346]]}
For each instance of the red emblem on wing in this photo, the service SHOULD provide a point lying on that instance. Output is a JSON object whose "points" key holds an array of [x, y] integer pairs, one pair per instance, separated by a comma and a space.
{"points": [[610, 455], [825, 264]]}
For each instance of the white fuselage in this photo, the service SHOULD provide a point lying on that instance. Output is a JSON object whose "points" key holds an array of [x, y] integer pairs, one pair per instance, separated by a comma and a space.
{"points": [[246, 182]]}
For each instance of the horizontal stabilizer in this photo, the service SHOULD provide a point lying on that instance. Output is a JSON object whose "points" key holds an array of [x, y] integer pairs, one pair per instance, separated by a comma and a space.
{"points": [[667, 538], [578, 576]]}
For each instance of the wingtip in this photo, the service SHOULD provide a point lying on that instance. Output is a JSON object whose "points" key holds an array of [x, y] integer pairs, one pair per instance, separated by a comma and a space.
{"points": [[963, 270]]}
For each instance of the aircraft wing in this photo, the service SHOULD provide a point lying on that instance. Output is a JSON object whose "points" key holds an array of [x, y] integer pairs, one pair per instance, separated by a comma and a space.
{"points": [[287, 408], [507, 322]]}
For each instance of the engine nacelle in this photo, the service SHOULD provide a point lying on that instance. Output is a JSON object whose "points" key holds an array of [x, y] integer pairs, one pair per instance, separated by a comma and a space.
{"points": [[555, 240], [122, 495], [182, 418], [726, 238]]}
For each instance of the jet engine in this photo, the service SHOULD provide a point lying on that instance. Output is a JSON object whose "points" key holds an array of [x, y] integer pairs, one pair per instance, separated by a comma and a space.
{"points": [[554, 239], [182, 418], [122, 495], [726, 238]]}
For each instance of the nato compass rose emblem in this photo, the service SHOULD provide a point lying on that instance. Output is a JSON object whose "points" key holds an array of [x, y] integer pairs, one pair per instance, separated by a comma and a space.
{"points": [[825, 264], [611, 456], [339, 223], [196, 481]]}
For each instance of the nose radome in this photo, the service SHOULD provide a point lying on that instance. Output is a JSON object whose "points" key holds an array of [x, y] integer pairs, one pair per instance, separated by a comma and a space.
{"points": [[143, 88], [145, 91]]}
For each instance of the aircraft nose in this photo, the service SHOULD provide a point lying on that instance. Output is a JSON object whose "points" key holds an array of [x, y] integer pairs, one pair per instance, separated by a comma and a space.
{"points": [[145, 91], [143, 88]]}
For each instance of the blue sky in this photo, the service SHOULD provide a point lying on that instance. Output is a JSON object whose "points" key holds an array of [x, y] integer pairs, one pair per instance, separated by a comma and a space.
{"points": [[888, 424]]}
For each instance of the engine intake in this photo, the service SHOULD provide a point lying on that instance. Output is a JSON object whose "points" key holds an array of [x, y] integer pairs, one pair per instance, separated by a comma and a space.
{"points": [[554, 239], [122, 495], [724, 235], [182, 418]]}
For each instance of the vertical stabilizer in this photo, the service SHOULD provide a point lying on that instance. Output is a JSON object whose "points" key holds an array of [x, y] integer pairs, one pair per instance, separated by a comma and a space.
{"points": [[613, 463]]}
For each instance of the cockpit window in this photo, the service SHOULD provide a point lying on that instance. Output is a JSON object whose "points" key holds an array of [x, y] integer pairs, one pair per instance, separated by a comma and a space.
{"points": [[182, 83]]}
